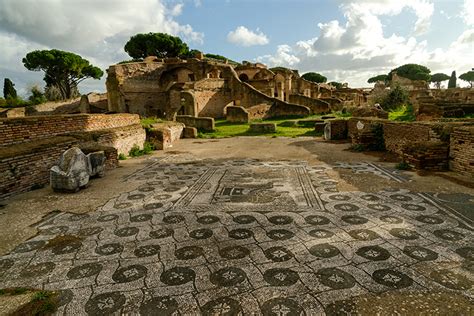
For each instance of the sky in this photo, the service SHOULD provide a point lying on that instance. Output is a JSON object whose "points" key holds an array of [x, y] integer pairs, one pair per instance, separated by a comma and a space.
{"points": [[345, 40]]}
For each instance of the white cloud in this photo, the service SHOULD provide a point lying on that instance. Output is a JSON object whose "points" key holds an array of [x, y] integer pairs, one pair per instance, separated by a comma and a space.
{"points": [[359, 48], [177, 9], [97, 30], [242, 36], [283, 56], [468, 12]]}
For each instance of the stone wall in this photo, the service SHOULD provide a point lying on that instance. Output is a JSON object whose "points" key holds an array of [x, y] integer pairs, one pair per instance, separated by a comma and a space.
{"points": [[462, 150], [316, 106], [20, 130]]}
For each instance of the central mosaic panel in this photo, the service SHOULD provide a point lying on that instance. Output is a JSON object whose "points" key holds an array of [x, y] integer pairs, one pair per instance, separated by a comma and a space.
{"points": [[238, 186]]}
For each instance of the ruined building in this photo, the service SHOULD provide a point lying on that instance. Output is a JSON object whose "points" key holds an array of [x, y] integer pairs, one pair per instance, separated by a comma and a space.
{"points": [[203, 87]]}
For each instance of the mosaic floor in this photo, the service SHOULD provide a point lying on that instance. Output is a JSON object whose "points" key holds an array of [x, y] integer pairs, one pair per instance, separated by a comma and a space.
{"points": [[243, 237]]}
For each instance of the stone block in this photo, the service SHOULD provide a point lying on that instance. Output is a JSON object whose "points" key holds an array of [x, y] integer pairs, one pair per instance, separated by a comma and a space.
{"points": [[72, 172], [237, 114], [75, 169], [201, 123], [190, 132], [96, 164], [163, 135], [262, 128]]}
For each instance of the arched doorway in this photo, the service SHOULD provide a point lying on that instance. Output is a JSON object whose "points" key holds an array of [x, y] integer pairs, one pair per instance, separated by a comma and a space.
{"points": [[244, 78]]}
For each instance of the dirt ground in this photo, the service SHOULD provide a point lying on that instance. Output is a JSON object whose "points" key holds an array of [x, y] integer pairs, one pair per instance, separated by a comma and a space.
{"points": [[19, 215]]}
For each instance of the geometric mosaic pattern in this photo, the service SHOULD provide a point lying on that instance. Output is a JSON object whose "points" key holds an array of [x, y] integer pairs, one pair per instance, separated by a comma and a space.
{"points": [[243, 237]]}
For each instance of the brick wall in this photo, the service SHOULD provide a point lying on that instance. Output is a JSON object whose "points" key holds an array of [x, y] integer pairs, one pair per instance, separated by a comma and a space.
{"points": [[398, 135], [25, 129], [28, 167], [462, 150], [366, 132]]}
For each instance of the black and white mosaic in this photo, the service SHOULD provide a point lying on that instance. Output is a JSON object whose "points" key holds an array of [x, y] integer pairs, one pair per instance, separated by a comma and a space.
{"points": [[244, 237]]}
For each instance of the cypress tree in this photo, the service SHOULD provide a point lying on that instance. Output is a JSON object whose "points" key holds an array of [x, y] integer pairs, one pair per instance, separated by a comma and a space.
{"points": [[452, 81], [9, 91]]}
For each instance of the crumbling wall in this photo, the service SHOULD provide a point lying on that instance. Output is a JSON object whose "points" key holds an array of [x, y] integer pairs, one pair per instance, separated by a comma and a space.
{"points": [[462, 150], [30, 146]]}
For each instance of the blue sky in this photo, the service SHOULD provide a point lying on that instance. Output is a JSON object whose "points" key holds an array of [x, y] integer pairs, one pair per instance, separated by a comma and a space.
{"points": [[346, 40]]}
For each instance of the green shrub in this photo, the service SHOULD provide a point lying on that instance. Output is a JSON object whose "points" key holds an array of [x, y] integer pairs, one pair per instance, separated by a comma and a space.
{"points": [[148, 148], [403, 113], [122, 156], [137, 152], [37, 96], [395, 98]]}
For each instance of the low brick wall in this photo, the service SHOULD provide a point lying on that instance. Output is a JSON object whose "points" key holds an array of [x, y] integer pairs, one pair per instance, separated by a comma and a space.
{"points": [[366, 132], [26, 167], [25, 129], [25, 159], [398, 135], [427, 155], [204, 123], [462, 150]]}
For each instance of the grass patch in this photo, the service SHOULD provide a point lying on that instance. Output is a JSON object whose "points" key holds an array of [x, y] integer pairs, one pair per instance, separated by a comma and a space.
{"points": [[285, 127], [148, 121], [404, 113], [122, 156], [340, 114]]}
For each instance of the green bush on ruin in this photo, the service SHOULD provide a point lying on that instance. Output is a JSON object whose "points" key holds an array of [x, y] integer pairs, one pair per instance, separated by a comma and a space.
{"points": [[137, 152]]}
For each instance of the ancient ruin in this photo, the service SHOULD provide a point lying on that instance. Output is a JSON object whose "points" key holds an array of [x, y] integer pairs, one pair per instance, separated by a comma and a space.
{"points": [[257, 193]]}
